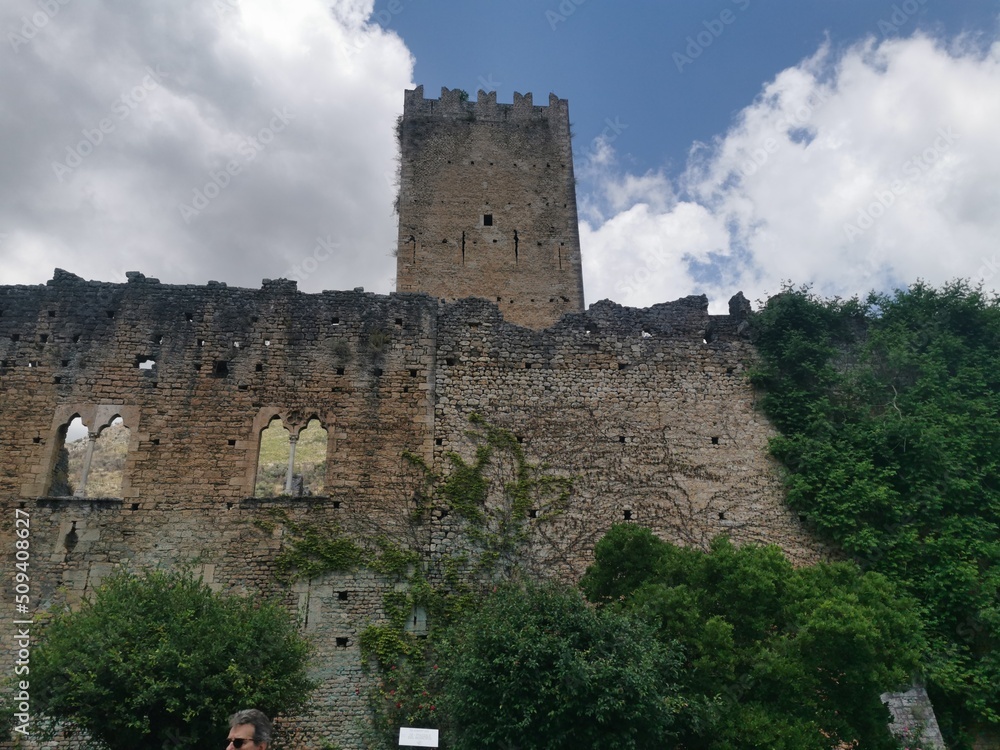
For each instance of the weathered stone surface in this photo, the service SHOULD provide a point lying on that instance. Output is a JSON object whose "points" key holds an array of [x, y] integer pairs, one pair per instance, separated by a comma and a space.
{"points": [[487, 204], [648, 411], [654, 423], [913, 718]]}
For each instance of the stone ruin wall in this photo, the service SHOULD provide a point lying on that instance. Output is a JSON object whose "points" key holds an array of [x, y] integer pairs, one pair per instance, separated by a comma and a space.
{"points": [[649, 410]]}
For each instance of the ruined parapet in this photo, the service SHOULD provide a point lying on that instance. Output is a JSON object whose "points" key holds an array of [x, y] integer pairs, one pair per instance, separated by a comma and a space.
{"points": [[655, 424], [487, 204]]}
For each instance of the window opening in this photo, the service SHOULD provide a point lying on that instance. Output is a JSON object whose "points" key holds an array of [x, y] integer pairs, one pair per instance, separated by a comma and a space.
{"points": [[291, 464], [272, 460], [310, 464], [61, 483], [91, 464], [487, 220]]}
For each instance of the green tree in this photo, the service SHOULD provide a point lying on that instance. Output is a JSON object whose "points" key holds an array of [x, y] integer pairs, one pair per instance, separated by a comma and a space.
{"points": [[775, 656], [536, 668], [162, 659], [889, 411]]}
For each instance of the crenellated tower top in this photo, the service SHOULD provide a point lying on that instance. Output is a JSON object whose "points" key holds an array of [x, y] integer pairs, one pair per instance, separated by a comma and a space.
{"points": [[455, 103], [487, 204]]}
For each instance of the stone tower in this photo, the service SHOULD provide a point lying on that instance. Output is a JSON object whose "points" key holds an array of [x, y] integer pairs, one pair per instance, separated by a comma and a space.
{"points": [[487, 204]]}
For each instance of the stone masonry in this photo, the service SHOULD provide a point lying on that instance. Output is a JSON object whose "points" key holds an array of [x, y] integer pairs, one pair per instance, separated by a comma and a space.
{"points": [[487, 204], [649, 411]]}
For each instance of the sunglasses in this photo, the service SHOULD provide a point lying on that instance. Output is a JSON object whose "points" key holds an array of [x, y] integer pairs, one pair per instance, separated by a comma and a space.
{"points": [[238, 742]]}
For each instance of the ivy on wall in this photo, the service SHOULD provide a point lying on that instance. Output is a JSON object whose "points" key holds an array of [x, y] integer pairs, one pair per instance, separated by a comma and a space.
{"points": [[889, 413], [492, 501]]}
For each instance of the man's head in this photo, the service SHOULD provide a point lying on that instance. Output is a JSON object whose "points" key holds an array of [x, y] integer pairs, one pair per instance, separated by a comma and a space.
{"points": [[249, 730]]}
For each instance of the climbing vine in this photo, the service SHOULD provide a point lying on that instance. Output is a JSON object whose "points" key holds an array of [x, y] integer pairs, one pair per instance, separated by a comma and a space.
{"points": [[491, 503]]}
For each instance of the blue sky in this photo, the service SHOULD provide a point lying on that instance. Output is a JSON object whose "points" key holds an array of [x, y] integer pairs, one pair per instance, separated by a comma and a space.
{"points": [[720, 145], [616, 61]]}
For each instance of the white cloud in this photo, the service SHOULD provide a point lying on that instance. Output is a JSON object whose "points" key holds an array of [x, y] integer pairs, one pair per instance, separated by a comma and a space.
{"points": [[281, 114], [866, 170]]}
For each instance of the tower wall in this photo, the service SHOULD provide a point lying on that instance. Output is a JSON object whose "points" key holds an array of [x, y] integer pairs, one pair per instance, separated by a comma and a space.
{"points": [[487, 204]]}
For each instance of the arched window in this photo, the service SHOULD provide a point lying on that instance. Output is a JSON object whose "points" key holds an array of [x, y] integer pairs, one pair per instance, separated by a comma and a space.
{"points": [[90, 462], [309, 471], [290, 460], [61, 481], [107, 467], [272, 460]]}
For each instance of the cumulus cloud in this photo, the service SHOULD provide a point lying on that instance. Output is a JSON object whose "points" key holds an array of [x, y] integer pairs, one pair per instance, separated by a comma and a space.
{"points": [[197, 139], [862, 170]]}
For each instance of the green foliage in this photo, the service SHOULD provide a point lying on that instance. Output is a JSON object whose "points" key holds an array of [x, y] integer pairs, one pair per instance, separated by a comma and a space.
{"points": [[537, 669], [492, 500], [378, 339], [889, 411], [775, 656], [313, 549], [495, 496], [160, 660]]}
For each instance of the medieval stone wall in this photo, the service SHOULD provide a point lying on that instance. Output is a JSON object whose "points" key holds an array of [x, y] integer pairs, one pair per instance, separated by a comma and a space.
{"points": [[648, 411], [487, 204]]}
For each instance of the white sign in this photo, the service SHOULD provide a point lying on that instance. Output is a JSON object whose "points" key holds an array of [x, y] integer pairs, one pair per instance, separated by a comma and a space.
{"points": [[412, 737]]}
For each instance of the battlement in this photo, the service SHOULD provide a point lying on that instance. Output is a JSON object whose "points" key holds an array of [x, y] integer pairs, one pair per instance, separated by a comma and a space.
{"points": [[487, 204], [454, 104], [649, 410]]}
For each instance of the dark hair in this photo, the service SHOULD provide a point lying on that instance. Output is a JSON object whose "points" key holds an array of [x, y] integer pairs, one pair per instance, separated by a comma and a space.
{"points": [[261, 724]]}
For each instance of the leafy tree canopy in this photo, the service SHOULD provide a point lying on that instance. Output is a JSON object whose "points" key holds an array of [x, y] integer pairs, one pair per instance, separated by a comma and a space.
{"points": [[889, 412], [160, 660], [536, 668], [775, 656]]}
